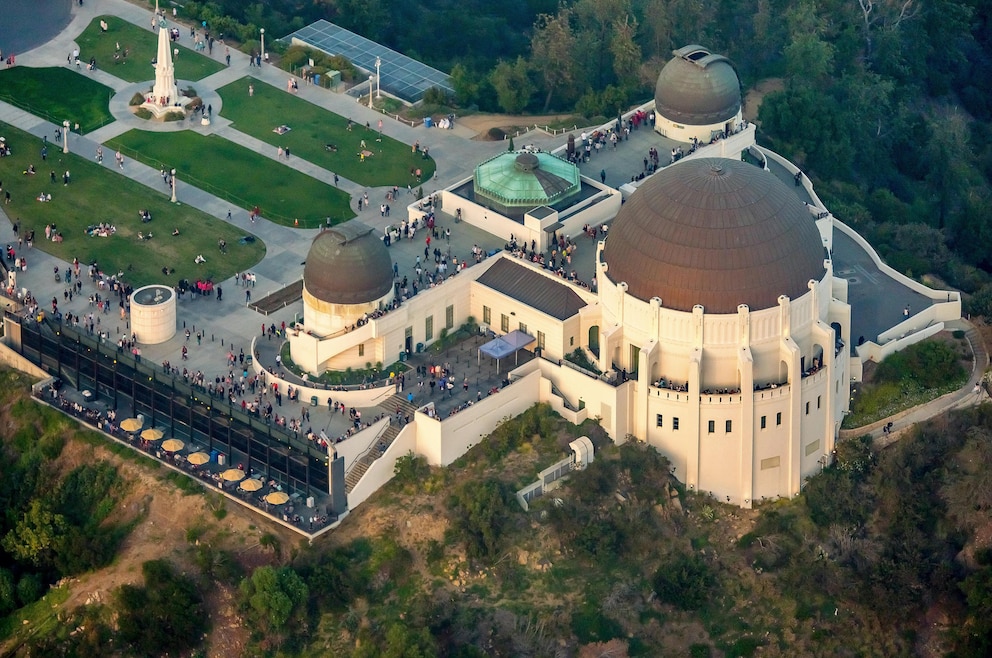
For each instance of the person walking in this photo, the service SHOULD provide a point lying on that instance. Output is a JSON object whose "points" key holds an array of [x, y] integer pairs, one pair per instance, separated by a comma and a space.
{"points": [[247, 297]]}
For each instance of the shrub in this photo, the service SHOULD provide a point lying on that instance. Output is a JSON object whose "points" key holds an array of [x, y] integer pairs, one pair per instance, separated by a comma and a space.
{"points": [[137, 99], [684, 580], [174, 116], [142, 113]]}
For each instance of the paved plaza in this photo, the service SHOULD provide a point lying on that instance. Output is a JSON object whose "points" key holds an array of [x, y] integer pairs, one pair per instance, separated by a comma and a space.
{"points": [[228, 326]]}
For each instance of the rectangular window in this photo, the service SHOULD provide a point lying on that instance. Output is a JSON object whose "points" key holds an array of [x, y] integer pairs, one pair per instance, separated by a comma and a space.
{"points": [[711, 426], [449, 317], [429, 328], [541, 339], [361, 349], [571, 341], [817, 401], [504, 323], [487, 315], [730, 426], [523, 327], [807, 408], [675, 422], [764, 422], [659, 420], [778, 418]]}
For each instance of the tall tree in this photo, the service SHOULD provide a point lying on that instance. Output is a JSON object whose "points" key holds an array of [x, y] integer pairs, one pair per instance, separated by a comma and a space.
{"points": [[553, 53], [626, 53], [513, 86]]}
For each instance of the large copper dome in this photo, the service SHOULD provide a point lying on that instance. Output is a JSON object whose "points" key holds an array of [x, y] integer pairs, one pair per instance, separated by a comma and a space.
{"points": [[348, 264], [697, 88], [714, 232]]}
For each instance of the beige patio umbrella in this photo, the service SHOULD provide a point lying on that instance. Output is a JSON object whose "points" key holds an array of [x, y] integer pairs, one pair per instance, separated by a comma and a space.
{"points": [[277, 497], [251, 484], [233, 475], [198, 458], [130, 424], [152, 434], [173, 445]]}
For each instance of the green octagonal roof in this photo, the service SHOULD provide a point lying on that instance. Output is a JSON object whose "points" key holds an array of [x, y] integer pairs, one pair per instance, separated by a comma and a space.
{"points": [[526, 179]]}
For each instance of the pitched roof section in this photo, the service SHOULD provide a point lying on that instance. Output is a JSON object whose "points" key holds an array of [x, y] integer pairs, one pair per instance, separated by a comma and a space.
{"points": [[532, 288]]}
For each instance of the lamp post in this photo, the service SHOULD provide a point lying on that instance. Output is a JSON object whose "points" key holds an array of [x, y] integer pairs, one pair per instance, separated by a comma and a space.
{"points": [[65, 136], [370, 92], [172, 179], [262, 31], [378, 79]]}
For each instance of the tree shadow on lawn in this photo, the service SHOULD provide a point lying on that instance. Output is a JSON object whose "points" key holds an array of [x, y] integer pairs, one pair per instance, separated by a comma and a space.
{"points": [[96, 194]]}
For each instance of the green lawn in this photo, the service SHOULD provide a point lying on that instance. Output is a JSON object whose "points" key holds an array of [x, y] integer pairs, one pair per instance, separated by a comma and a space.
{"points": [[313, 127], [101, 195], [142, 46], [57, 94], [240, 175]]}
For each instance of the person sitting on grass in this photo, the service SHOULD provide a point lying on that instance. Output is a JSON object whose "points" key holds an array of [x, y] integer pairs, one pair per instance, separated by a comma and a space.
{"points": [[144, 237], [44, 197], [175, 231], [199, 259], [30, 170]]}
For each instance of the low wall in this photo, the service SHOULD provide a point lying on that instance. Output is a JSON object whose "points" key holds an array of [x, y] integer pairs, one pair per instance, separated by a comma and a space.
{"points": [[382, 470], [368, 397], [443, 440], [870, 351]]}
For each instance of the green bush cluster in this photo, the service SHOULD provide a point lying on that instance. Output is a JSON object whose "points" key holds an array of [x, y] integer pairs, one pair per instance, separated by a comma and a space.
{"points": [[297, 57]]}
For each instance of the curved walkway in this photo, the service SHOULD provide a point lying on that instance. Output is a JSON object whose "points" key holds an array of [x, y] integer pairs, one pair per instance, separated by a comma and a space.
{"points": [[962, 398]]}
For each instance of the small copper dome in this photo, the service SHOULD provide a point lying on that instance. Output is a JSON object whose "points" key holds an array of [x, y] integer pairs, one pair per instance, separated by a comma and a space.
{"points": [[697, 88], [348, 264], [714, 232]]}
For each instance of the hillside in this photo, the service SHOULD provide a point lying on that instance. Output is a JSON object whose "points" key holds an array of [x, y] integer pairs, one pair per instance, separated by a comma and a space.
{"points": [[886, 553]]}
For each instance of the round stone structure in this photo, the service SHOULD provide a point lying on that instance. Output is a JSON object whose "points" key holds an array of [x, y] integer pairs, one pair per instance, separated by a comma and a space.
{"points": [[153, 314], [697, 94], [348, 274], [510, 182], [717, 233]]}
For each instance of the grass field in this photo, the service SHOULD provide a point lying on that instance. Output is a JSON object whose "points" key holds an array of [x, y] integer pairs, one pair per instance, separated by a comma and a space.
{"points": [[239, 175], [142, 46], [313, 127], [101, 195], [57, 94]]}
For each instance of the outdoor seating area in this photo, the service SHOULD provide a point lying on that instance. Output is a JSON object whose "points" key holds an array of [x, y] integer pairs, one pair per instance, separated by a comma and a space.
{"points": [[250, 486]]}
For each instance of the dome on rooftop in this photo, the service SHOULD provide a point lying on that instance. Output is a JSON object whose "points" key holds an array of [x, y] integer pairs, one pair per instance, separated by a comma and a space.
{"points": [[717, 233], [697, 88], [348, 264]]}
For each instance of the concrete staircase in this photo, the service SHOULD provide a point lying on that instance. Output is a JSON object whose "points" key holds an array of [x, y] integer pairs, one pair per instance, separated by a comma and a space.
{"points": [[390, 407]]}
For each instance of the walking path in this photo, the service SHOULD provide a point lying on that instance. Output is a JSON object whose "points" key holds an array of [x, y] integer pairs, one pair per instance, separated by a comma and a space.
{"points": [[230, 325]]}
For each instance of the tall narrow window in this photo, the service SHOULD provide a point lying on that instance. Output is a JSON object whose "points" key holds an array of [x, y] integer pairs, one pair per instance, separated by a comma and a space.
{"points": [[504, 322], [449, 316], [429, 328], [487, 315]]}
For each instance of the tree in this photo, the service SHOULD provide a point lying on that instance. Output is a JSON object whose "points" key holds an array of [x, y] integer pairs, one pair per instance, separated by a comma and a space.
{"points": [[513, 86], [479, 512], [164, 616], [36, 536], [553, 53], [272, 596], [626, 53]]}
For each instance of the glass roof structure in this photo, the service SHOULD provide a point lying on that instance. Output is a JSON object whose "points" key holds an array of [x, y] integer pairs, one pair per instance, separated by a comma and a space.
{"points": [[526, 179], [403, 77]]}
